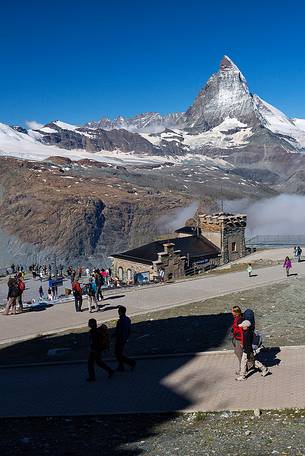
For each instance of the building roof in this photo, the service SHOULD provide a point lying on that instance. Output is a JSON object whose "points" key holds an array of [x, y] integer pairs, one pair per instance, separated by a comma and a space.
{"points": [[193, 247], [191, 230]]}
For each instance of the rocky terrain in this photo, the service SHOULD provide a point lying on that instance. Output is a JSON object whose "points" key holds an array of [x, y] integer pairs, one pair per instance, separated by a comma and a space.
{"points": [[65, 209], [228, 144]]}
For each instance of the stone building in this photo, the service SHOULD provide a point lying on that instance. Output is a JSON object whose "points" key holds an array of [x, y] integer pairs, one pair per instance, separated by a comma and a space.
{"points": [[227, 231], [217, 239], [174, 257]]}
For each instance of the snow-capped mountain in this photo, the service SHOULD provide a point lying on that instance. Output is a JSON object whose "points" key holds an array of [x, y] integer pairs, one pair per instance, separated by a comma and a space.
{"points": [[149, 122], [224, 118]]}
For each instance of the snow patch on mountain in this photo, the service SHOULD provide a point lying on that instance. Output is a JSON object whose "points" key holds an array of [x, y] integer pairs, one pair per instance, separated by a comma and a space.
{"points": [[299, 123], [64, 125], [228, 134], [277, 122]]}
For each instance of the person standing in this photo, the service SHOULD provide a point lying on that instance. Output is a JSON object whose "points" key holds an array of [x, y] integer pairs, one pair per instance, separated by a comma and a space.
{"points": [[249, 270], [122, 333], [299, 253], [99, 341], [91, 291], [40, 291], [287, 265], [247, 352], [12, 295], [237, 339], [99, 283], [78, 295], [161, 275], [21, 287]]}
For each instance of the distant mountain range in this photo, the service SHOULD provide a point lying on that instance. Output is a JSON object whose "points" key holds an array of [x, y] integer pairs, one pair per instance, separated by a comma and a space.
{"points": [[224, 116], [83, 192]]}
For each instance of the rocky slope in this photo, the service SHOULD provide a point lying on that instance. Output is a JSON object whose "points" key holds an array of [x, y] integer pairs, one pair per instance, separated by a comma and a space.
{"points": [[47, 209]]}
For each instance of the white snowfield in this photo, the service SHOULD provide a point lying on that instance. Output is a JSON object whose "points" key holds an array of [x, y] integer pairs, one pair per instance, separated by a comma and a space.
{"points": [[30, 147], [279, 123]]}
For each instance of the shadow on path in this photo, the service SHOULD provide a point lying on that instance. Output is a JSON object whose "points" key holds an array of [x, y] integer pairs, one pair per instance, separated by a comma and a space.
{"points": [[60, 389]]}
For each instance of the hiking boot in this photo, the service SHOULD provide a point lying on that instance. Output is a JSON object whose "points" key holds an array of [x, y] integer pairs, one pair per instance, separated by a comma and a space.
{"points": [[240, 378], [265, 372]]}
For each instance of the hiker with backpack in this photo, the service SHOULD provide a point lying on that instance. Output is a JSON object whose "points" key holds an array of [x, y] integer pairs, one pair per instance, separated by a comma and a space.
{"points": [[99, 342], [237, 334], [13, 293], [78, 295], [91, 292], [247, 352], [99, 281]]}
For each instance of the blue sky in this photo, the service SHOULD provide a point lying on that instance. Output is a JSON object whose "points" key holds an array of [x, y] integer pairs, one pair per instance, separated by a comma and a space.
{"points": [[79, 60]]}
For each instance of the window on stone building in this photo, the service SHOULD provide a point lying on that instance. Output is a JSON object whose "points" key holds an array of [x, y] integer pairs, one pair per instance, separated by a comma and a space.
{"points": [[129, 275], [234, 247], [120, 273]]}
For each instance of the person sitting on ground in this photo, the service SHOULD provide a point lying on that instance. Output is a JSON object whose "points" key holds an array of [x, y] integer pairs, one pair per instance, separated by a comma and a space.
{"points": [[99, 342], [247, 355]]}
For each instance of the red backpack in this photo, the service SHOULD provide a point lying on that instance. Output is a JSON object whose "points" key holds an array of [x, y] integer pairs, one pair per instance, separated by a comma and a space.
{"points": [[21, 286]]}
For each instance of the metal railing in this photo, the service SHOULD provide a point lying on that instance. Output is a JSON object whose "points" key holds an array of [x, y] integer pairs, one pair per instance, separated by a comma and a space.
{"points": [[280, 240]]}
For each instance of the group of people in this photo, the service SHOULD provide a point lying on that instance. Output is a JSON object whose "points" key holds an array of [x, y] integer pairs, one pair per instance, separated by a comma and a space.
{"points": [[243, 334], [16, 287], [93, 289], [99, 342]]}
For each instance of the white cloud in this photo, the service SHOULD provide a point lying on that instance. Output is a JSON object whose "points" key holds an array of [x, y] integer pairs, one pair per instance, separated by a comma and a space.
{"points": [[279, 215], [33, 125]]}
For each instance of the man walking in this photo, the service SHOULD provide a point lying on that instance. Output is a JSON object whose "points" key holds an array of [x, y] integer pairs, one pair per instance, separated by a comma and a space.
{"points": [[99, 341], [78, 295], [122, 333]]}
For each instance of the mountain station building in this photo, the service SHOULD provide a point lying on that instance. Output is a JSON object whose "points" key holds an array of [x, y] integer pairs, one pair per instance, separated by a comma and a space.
{"points": [[217, 239]]}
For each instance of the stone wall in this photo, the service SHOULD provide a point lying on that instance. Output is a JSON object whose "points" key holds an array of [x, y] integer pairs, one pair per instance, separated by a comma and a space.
{"points": [[170, 260], [227, 231], [125, 270]]}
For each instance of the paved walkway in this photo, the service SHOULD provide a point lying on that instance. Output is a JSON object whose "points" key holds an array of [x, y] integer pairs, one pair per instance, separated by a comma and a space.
{"points": [[204, 382], [139, 301]]}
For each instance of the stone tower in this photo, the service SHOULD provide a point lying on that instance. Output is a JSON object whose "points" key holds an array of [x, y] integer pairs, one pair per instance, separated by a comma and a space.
{"points": [[227, 231]]}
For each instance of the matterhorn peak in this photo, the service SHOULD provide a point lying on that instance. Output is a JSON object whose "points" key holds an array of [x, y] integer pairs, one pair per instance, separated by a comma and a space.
{"points": [[226, 94], [228, 64]]}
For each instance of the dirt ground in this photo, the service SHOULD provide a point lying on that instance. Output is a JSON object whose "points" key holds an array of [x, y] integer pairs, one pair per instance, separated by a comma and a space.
{"points": [[279, 311], [231, 434]]}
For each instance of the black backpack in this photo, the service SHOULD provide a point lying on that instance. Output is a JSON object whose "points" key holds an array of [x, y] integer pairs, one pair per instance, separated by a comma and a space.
{"points": [[103, 337], [14, 289], [249, 315]]}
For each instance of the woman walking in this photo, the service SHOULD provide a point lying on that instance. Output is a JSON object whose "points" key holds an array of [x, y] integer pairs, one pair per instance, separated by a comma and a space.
{"points": [[287, 265]]}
